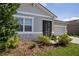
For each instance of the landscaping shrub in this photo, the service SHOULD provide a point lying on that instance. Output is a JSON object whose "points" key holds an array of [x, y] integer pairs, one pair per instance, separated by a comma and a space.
{"points": [[33, 45], [13, 42], [64, 39], [2, 46], [45, 40], [8, 24], [53, 37]]}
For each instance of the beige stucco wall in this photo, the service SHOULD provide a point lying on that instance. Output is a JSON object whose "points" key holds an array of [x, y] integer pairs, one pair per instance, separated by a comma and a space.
{"points": [[37, 21]]}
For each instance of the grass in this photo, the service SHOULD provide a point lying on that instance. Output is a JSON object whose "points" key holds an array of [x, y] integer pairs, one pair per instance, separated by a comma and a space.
{"points": [[70, 50]]}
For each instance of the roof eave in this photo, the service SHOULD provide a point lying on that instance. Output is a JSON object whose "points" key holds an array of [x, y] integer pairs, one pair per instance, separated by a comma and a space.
{"points": [[48, 10]]}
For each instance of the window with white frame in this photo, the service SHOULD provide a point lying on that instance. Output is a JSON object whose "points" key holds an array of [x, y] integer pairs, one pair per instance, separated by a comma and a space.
{"points": [[25, 24], [28, 24]]}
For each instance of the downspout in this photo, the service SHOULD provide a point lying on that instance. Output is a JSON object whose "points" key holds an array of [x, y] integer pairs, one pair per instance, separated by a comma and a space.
{"points": [[53, 25]]}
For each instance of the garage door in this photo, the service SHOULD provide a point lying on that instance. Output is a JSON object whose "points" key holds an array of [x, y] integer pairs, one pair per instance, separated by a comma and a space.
{"points": [[59, 30]]}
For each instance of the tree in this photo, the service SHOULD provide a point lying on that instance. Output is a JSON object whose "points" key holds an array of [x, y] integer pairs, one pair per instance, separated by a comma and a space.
{"points": [[8, 24]]}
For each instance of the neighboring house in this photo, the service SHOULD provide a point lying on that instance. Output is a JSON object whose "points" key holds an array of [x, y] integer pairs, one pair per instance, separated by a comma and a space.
{"points": [[73, 27], [37, 20]]}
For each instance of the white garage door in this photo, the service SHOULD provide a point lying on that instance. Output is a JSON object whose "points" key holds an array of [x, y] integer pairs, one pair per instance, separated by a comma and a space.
{"points": [[59, 30]]}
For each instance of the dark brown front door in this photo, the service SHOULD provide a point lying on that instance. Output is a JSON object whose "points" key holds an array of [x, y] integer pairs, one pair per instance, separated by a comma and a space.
{"points": [[47, 27]]}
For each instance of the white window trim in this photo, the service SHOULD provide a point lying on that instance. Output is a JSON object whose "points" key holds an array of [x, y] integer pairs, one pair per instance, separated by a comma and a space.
{"points": [[20, 32]]}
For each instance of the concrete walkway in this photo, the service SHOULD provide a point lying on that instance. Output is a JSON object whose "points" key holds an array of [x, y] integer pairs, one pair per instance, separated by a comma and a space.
{"points": [[75, 40]]}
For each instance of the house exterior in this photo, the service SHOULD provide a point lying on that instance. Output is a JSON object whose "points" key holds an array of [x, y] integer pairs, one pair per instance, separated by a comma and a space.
{"points": [[60, 27], [36, 20], [73, 27]]}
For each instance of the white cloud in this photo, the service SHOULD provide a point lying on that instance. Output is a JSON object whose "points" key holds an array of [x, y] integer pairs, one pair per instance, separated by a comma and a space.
{"points": [[73, 18], [44, 4], [66, 19]]}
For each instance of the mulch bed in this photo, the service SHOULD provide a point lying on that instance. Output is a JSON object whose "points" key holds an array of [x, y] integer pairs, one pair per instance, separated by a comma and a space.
{"points": [[23, 49]]}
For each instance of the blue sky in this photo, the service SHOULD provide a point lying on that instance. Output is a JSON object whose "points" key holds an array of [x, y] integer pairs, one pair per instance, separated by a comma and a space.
{"points": [[64, 11]]}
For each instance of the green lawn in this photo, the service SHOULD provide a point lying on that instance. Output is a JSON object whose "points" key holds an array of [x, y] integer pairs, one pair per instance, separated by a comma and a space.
{"points": [[71, 50]]}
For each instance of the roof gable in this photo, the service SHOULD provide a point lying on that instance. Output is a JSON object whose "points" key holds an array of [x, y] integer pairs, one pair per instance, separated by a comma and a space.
{"points": [[35, 8]]}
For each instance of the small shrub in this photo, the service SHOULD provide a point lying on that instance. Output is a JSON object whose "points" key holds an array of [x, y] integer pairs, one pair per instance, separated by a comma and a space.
{"points": [[53, 37], [2, 46], [33, 45], [45, 40], [13, 42], [64, 39]]}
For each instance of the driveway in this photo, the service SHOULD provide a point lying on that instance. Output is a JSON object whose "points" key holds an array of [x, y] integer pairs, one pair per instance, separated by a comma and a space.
{"points": [[75, 40]]}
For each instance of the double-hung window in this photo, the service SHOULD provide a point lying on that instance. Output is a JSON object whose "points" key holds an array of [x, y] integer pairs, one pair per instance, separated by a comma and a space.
{"points": [[28, 24], [25, 24]]}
